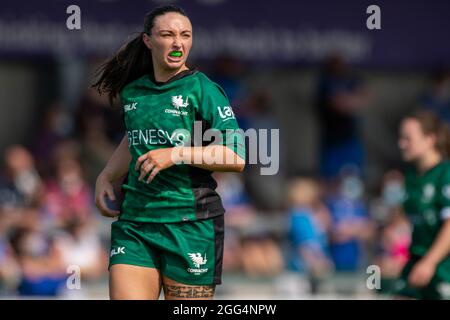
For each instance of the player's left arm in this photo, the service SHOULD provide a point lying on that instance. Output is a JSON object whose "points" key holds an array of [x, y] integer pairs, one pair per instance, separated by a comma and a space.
{"points": [[226, 152], [213, 157]]}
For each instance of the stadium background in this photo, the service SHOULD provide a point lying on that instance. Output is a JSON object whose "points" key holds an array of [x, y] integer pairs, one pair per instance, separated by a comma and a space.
{"points": [[311, 230]]}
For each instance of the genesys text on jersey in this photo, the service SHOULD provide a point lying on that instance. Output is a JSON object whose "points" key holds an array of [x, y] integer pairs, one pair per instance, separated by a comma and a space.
{"points": [[262, 144]]}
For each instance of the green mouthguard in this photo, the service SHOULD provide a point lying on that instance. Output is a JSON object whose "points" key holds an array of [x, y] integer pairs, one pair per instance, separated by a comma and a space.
{"points": [[175, 54]]}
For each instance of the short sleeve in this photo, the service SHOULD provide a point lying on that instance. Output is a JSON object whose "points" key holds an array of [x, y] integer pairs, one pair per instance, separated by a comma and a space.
{"points": [[215, 108]]}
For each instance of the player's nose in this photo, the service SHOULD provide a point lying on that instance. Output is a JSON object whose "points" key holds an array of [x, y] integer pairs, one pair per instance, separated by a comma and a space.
{"points": [[176, 42]]}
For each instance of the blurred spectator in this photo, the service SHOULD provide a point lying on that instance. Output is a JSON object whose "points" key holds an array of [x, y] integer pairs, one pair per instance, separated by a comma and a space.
{"points": [[99, 130], [394, 241], [239, 214], [310, 222], [93, 104], [394, 233], [56, 126], [227, 71], [42, 270], [96, 147], [265, 190], [437, 98], [249, 245], [80, 245], [257, 111], [340, 97], [9, 269], [351, 226], [391, 197], [33, 260], [21, 183], [68, 195], [261, 255]]}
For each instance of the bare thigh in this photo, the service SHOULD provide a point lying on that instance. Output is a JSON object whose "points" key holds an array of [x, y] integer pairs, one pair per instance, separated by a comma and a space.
{"points": [[128, 282], [178, 291]]}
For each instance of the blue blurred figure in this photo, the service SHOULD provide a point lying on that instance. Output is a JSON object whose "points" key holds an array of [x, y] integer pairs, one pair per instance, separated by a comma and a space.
{"points": [[351, 225], [43, 273], [309, 221], [340, 96]]}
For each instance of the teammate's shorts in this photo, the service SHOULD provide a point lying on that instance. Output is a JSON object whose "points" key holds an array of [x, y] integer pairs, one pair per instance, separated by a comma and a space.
{"points": [[187, 252], [437, 289]]}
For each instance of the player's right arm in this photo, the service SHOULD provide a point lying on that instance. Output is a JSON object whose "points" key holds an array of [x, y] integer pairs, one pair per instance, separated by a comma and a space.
{"points": [[115, 169]]}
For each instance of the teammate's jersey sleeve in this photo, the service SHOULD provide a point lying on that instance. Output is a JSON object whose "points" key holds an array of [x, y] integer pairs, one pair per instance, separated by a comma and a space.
{"points": [[445, 193], [216, 110]]}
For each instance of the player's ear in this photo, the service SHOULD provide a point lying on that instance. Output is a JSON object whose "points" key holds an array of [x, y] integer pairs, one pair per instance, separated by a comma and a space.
{"points": [[146, 39]]}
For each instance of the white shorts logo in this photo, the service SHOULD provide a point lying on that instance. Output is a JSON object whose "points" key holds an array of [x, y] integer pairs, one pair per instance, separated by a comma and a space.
{"points": [[198, 261]]}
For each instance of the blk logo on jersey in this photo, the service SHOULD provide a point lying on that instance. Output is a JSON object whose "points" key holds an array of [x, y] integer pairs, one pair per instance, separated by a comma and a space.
{"points": [[226, 113], [130, 107], [118, 250], [198, 261]]}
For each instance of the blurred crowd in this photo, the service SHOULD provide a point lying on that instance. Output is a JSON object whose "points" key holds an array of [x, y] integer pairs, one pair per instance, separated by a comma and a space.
{"points": [[49, 226], [328, 222]]}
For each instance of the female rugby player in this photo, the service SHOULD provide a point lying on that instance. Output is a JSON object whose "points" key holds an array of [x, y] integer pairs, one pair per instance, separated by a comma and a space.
{"points": [[425, 143], [169, 233]]}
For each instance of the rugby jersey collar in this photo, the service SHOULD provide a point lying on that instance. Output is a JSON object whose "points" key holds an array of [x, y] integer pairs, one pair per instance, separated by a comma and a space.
{"points": [[178, 76]]}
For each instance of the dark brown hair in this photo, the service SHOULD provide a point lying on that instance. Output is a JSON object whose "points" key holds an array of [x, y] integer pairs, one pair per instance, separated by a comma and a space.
{"points": [[431, 124], [131, 61]]}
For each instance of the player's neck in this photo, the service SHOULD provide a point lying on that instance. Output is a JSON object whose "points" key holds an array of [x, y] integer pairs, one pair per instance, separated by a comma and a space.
{"points": [[428, 161], [162, 75]]}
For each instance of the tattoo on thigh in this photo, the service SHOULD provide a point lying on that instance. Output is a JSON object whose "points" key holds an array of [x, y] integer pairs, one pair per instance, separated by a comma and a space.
{"points": [[181, 291]]}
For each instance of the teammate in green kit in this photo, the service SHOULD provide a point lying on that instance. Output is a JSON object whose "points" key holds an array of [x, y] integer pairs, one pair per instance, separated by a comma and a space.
{"points": [[169, 232], [425, 143]]}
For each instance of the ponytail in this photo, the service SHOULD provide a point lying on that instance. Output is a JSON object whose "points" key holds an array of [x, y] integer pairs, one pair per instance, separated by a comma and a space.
{"points": [[132, 61]]}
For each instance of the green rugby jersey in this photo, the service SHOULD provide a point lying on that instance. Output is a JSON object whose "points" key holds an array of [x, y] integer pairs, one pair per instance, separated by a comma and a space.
{"points": [[427, 203], [162, 115]]}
